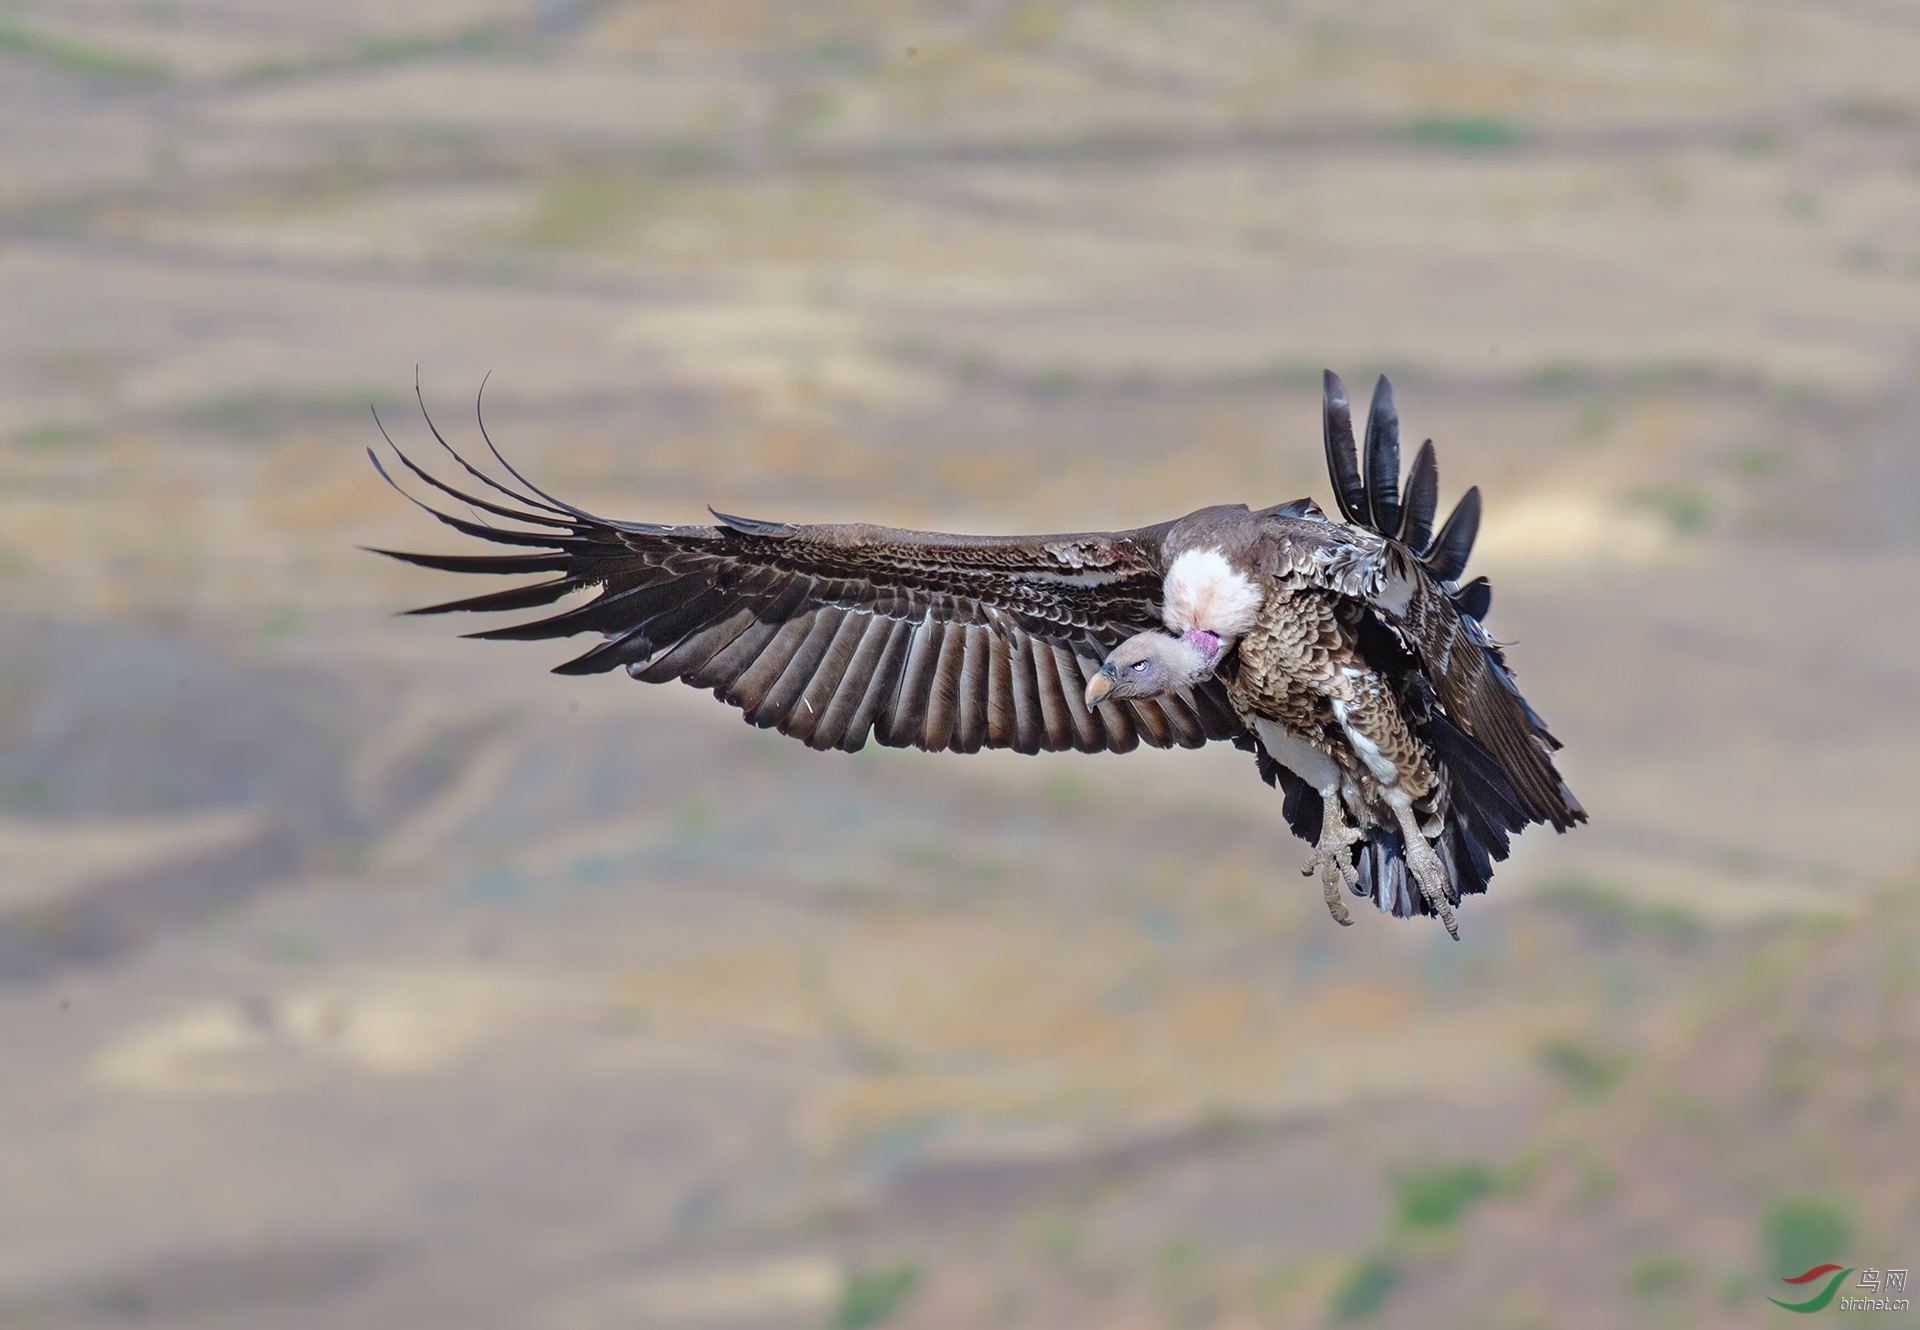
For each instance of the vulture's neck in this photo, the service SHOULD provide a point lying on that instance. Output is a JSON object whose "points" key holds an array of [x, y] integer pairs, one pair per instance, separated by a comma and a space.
{"points": [[1206, 644], [1205, 593]]}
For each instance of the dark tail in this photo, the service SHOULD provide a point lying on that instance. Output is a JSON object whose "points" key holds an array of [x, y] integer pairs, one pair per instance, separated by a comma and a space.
{"points": [[1481, 803], [1504, 718], [1406, 515]]}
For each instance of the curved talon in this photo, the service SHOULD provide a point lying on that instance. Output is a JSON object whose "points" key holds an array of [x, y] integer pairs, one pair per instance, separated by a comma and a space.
{"points": [[1331, 861], [1331, 865], [1428, 872]]}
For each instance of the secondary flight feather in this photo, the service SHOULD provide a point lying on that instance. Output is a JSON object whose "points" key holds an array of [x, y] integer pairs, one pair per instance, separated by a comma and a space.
{"points": [[1347, 657]]}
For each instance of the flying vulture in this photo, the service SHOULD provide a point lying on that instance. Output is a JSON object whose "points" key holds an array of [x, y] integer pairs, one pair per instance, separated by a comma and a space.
{"points": [[1348, 658]]}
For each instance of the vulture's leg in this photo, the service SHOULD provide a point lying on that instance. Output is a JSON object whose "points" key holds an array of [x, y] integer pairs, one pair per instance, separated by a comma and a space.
{"points": [[1379, 734], [1331, 858], [1337, 832], [1425, 865]]}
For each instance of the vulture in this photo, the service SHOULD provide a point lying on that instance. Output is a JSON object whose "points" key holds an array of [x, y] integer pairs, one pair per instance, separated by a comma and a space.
{"points": [[1348, 657]]}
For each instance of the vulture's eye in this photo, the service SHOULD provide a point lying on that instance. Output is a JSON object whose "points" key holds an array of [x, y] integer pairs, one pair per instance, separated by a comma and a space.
{"points": [[1138, 667]]}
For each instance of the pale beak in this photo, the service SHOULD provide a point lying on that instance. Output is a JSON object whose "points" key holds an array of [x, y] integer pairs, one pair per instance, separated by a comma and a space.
{"points": [[1100, 685]]}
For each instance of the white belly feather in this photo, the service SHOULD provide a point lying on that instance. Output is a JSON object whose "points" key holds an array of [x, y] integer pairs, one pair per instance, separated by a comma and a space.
{"points": [[1300, 757]]}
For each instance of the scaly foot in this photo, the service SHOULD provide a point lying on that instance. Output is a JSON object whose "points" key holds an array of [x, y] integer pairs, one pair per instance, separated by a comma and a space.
{"points": [[1428, 872], [1330, 857]]}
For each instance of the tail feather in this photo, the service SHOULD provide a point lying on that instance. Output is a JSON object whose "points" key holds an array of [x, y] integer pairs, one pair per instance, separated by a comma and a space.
{"points": [[1476, 780], [1475, 598], [1343, 464], [1375, 501], [1383, 874], [1383, 460], [1420, 500], [1469, 863], [1448, 557], [1385, 880]]}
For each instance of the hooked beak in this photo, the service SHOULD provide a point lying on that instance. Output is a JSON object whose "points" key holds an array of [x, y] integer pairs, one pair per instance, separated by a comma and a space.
{"points": [[1100, 685]]}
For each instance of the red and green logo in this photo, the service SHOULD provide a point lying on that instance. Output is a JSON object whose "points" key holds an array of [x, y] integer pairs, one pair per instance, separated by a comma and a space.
{"points": [[1832, 1273]]}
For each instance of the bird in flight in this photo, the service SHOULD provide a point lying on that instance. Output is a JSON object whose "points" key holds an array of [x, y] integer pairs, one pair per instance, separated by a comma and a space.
{"points": [[1348, 658]]}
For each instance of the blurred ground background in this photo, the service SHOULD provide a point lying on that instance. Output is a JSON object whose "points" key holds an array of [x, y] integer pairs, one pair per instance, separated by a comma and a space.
{"points": [[354, 975]]}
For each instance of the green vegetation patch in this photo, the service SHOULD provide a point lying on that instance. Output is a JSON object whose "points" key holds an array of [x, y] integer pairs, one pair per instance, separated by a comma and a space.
{"points": [[47, 435], [1659, 1275], [1684, 507], [254, 412], [1366, 1287], [1589, 1072], [66, 56], [1593, 1183], [1593, 419], [1555, 376], [475, 39], [1473, 132], [1436, 1197], [1758, 461], [584, 209], [1059, 1236], [871, 1297], [1608, 906], [1803, 1231], [486, 38]]}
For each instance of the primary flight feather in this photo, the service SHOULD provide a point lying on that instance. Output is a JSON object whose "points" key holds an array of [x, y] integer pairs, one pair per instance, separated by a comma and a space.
{"points": [[1348, 658]]}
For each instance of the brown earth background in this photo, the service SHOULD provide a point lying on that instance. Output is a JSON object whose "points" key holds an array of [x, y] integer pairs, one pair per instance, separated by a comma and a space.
{"points": [[352, 975]]}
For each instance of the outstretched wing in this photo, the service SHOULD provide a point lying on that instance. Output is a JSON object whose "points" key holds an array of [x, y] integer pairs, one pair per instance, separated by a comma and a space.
{"points": [[830, 633], [1410, 579]]}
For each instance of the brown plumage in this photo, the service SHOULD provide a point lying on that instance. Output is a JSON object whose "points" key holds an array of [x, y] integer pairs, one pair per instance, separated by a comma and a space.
{"points": [[1346, 657]]}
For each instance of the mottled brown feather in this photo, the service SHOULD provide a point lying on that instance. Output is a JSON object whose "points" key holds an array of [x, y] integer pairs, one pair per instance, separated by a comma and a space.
{"points": [[694, 652], [808, 710], [731, 661], [905, 719], [751, 686], [880, 690], [1023, 693], [783, 696], [970, 726], [1002, 714], [943, 690], [844, 678]]}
